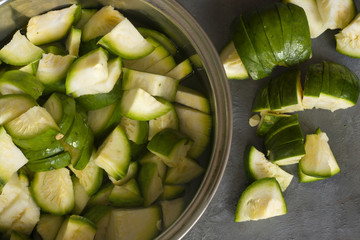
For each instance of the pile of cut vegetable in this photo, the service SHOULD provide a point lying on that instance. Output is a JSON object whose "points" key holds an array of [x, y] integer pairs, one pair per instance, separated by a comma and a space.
{"points": [[98, 134], [280, 35]]}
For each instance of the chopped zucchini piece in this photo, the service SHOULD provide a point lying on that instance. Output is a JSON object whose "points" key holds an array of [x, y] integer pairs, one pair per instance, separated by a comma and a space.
{"points": [[20, 51], [13, 105], [51, 26], [192, 98], [49, 225], [53, 191], [234, 67], [184, 172], [171, 210], [126, 195], [101, 23], [76, 227], [261, 200], [125, 41]]}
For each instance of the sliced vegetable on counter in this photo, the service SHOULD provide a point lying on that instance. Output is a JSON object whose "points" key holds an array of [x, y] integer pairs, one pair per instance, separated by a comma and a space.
{"points": [[319, 160], [253, 36], [258, 167], [261, 200], [347, 40]]}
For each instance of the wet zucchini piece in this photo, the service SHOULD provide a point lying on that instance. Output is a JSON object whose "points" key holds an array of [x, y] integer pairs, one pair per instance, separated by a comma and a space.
{"points": [[255, 29], [246, 49]]}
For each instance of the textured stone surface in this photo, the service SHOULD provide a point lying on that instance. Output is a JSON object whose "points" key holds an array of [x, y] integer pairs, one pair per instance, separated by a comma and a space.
{"points": [[328, 209]]}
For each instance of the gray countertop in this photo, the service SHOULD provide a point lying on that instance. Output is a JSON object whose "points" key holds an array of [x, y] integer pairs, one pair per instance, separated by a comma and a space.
{"points": [[327, 209]]}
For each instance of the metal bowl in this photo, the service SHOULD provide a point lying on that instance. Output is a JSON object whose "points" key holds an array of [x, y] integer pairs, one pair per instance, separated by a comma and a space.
{"points": [[172, 19]]}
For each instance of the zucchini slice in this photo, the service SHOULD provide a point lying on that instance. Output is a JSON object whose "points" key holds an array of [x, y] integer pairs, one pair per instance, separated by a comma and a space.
{"points": [[131, 173], [35, 129], [192, 98], [76, 227], [13, 105], [160, 37], [101, 23], [155, 84], [181, 70], [57, 161], [197, 125], [184, 172], [336, 14], [90, 177], [257, 167], [139, 105], [126, 195], [49, 225], [80, 195], [62, 108], [136, 131], [11, 158], [313, 83], [316, 24], [141, 223], [53, 68], [246, 50], [171, 210], [73, 42], [91, 66], [52, 26], [234, 67], [267, 121], [150, 183], [19, 82], [172, 192], [163, 66], [347, 40], [143, 63], [152, 158], [114, 154], [125, 41], [100, 215], [168, 120], [319, 160], [261, 200], [53, 191], [170, 145], [20, 51]]}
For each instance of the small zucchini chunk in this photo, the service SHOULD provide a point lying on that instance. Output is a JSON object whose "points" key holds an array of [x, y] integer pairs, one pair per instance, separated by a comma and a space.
{"points": [[125, 41], [101, 23], [76, 227], [52, 26], [53, 191], [20, 51], [140, 223], [234, 67], [11, 158], [261, 200], [114, 154]]}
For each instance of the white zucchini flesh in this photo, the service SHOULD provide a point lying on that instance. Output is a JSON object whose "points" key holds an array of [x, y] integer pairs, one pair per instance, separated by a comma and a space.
{"points": [[101, 23], [168, 120], [92, 66], [259, 167], [51, 26], [319, 160], [76, 227], [197, 125], [114, 154], [155, 84], [113, 71], [139, 105], [20, 51], [126, 41], [348, 40], [11, 158], [49, 225], [262, 199], [53, 191], [53, 68], [336, 14], [138, 224], [181, 70], [316, 24], [234, 67], [192, 98]]}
